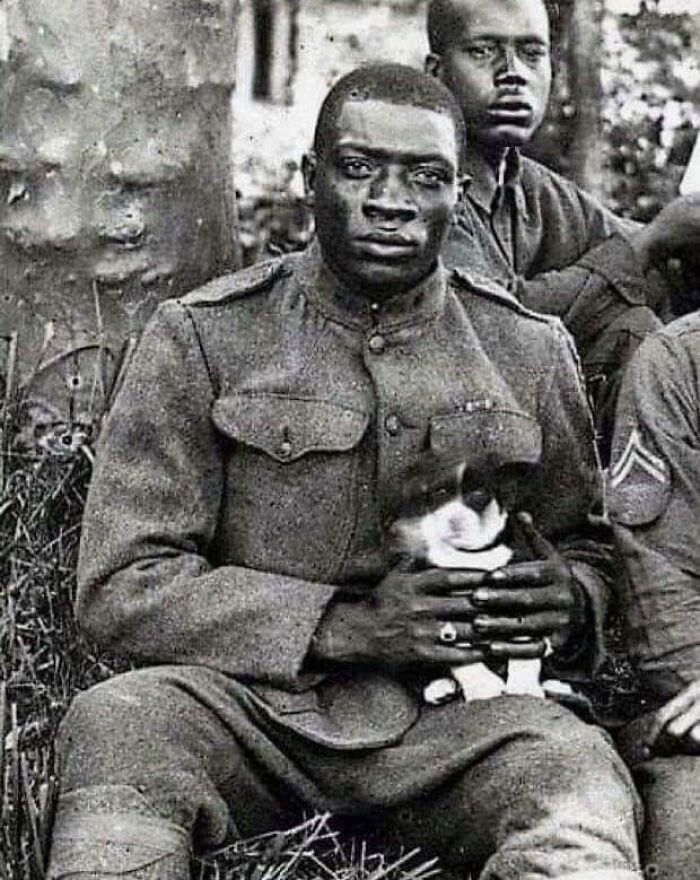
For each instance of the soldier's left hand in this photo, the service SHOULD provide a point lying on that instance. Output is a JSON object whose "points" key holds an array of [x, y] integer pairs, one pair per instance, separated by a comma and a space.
{"points": [[537, 599]]}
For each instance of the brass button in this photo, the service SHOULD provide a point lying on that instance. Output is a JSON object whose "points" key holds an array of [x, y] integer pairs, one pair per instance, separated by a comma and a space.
{"points": [[392, 424], [377, 344], [285, 449]]}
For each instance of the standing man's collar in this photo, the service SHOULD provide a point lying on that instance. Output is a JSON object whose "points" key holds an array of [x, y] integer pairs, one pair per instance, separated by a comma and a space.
{"points": [[333, 299], [483, 182]]}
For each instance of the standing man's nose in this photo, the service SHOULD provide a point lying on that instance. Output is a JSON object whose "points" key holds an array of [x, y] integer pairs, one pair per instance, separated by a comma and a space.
{"points": [[509, 69]]}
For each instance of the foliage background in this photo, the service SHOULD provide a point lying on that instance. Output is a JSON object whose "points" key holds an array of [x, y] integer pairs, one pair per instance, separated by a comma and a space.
{"points": [[649, 104]]}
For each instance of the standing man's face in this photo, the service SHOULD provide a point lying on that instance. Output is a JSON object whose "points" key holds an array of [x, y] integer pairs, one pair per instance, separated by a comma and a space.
{"points": [[497, 64], [384, 191]]}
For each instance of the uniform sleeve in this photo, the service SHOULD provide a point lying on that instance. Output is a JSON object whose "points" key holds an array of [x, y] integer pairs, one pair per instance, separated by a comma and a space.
{"points": [[146, 588], [603, 298], [571, 496], [604, 275], [655, 509]]}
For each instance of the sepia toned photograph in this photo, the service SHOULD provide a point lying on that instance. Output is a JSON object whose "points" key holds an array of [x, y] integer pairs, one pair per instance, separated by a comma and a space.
{"points": [[349, 439]]}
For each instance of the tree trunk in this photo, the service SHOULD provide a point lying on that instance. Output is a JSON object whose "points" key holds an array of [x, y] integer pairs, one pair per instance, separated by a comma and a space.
{"points": [[585, 59], [115, 180]]}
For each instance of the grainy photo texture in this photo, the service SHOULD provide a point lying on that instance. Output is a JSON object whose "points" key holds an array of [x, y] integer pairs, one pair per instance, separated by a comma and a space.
{"points": [[349, 431]]}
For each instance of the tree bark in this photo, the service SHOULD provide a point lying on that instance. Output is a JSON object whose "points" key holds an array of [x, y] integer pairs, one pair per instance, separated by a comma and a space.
{"points": [[585, 59], [115, 180]]}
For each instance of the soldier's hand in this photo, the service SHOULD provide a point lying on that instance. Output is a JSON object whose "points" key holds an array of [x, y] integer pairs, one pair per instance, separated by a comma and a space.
{"points": [[676, 726], [674, 230], [538, 599], [410, 620]]}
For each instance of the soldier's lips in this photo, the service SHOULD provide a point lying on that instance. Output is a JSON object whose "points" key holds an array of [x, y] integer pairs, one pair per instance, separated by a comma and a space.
{"points": [[389, 245]]}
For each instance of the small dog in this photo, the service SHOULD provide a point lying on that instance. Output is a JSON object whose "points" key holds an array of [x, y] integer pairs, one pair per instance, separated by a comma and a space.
{"points": [[466, 531]]}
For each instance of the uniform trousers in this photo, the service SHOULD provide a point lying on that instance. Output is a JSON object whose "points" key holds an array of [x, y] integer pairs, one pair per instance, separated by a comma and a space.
{"points": [[669, 786], [158, 760]]}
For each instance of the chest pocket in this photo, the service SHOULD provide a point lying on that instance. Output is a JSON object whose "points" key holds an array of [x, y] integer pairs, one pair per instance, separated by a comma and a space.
{"points": [[291, 471], [489, 440], [287, 428]]}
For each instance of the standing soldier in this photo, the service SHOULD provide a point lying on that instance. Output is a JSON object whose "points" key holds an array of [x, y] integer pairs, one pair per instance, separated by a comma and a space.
{"points": [[554, 246]]}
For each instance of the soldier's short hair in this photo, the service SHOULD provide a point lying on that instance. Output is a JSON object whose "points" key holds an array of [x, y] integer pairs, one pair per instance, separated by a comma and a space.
{"points": [[393, 83], [444, 21]]}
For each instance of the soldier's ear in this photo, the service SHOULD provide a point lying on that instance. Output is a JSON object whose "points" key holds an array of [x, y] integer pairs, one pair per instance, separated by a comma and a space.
{"points": [[309, 164], [433, 65]]}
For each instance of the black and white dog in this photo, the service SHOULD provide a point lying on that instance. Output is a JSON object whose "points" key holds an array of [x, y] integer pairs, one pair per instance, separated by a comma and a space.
{"points": [[467, 529]]}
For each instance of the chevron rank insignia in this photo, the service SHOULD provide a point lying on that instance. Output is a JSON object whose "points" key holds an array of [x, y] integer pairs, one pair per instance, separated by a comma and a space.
{"points": [[639, 483]]}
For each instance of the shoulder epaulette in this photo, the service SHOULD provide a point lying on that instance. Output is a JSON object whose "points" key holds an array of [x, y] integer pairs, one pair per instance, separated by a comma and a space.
{"points": [[237, 284], [492, 290]]}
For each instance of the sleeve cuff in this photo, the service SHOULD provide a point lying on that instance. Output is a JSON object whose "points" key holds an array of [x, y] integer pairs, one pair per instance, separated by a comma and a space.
{"points": [[581, 656]]}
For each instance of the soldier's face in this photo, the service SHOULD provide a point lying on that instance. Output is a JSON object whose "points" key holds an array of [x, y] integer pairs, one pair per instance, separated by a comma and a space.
{"points": [[384, 193], [498, 66]]}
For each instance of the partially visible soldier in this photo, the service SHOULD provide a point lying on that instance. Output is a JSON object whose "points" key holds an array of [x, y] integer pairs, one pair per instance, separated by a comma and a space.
{"points": [[234, 544], [655, 508], [553, 245]]}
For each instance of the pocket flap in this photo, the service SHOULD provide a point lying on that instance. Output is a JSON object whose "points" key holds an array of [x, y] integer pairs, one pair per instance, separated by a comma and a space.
{"points": [[286, 428], [487, 437]]}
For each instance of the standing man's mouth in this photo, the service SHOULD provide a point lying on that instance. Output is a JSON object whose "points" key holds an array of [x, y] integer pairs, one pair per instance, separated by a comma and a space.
{"points": [[511, 110]]}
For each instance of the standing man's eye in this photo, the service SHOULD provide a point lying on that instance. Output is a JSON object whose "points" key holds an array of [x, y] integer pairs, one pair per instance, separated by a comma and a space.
{"points": [[481, 51], [533, 52], [356, 168]]}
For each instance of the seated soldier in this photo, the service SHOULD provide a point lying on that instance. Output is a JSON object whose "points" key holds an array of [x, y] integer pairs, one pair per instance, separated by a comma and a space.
{"points": [[655, 507], [552, 244], [235, 546]]}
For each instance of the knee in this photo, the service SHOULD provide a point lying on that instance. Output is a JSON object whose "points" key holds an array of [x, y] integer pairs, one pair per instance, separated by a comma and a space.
{"points": [[108, 707], [583, 755], [115, 723], [672, 783], [581, 746]]}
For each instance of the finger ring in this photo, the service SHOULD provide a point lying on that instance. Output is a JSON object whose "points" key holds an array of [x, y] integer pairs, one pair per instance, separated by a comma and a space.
{"points": [[448, 633]]}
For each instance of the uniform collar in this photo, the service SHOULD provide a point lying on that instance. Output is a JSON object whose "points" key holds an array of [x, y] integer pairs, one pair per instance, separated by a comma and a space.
{"points": [[484, 182], [426, 300]]}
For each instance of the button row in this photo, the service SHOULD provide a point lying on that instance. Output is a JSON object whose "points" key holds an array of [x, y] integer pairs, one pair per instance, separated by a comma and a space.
{"points": [[392, 423]]}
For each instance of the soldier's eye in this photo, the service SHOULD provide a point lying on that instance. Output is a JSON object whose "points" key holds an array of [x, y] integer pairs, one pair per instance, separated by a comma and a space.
{"points": [[430, 177], [356, 168]]}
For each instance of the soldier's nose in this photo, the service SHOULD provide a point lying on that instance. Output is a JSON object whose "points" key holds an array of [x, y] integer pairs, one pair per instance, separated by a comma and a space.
{"points": [[389, 197]]}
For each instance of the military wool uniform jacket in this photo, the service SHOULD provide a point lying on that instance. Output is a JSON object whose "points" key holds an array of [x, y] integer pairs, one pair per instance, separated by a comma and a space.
{"points": [[560, 252], [655, 506], [256, 451], [554, 246]]}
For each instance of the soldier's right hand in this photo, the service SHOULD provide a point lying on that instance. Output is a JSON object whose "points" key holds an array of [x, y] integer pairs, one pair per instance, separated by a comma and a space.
{"points": [[410, 619]]}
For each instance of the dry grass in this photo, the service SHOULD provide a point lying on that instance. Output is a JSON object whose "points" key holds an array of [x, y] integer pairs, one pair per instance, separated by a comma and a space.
{"points": [[311, 851], [42, 658]]}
